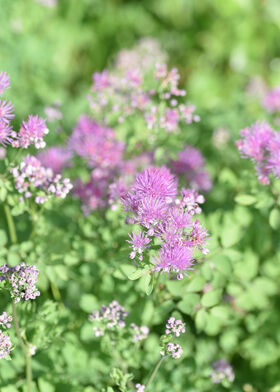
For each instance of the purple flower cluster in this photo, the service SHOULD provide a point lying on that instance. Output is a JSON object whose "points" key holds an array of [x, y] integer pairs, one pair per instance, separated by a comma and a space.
{"points": [[4, 82], [190, 163], [176, 327], [21, 281], [140, 387], [152, 202], [5, 320], [112, 318], [5, 345], [31, 131], [261, 144], [141, 84], [139, 333], [222, 370], [109, 317], [175, 350], [6, 112], [173, 329], [32, 179], [55, 158], [271, 101]]}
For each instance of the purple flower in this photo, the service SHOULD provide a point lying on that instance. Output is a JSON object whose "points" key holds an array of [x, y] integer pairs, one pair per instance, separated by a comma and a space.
{"points": [[5, 345], [261, 144], [6, 111], [156, 182], [139, 242], [140, 387], [222, 370], [33, 179], [5, 134], [21, 281], [198, 236], [151, 211], [190, 162], [108, 317], [96, 143], [175, 350], [178, 259], [5, 320], [32, 132], [271, 101], [176, 327], [139, 333], [4, 82], [55, 158]]}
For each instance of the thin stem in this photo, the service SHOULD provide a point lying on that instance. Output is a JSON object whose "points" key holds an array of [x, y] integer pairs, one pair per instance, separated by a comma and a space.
{"points": [[24, 349], [154, 372], [24, 346], [11, 225]]}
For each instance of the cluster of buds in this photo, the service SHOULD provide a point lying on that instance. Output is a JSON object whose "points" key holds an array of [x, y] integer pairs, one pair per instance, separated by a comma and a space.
{"points": [[173, 329], [21, 281], [222, 371], [108, 318], [33, 179], [139, 332], [149, 89], [112, 318], [5, 341]]}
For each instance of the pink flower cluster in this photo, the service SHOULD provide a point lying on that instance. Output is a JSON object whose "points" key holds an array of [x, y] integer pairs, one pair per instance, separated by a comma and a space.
{"points": [[31, 131], [139, 333], [152, 202], [174, 328], [109, 172], [32, 179], [261, 144], [55, 158], [5, 320], [112, 318], [190, 163], [140, 387], [271, 101], [21, 281], [141, 87], [222, 370], [5, 345]]}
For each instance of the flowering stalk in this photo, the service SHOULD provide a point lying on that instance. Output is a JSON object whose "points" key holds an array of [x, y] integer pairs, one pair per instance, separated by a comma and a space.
{"points": [[11, 225], [155, 370], [24, 346]]}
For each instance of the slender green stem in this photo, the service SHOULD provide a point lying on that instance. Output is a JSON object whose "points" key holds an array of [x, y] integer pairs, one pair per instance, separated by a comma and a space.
{"points": [[11, 225], [24, 346], [25, 350], [155, 370]]}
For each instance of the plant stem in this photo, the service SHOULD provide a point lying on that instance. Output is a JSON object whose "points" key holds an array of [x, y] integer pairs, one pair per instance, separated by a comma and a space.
{"points": [[11, 225], [155, 370], [24, 349], [24, 346]]}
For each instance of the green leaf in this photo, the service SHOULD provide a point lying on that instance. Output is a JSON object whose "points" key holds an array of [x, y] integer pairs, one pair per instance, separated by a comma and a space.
{"points": [[187, 305], [88, 302], [137, 274], [196, 284], [201, 319], [274, 218], [211, 298], [245, 200]]}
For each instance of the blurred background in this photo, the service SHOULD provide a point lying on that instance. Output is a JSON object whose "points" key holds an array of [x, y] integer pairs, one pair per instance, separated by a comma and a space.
{"points": [[51, 47]]}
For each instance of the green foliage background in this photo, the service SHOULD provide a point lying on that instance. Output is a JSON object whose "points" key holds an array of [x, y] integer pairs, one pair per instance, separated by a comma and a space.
{"points": [[218, 47]]}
